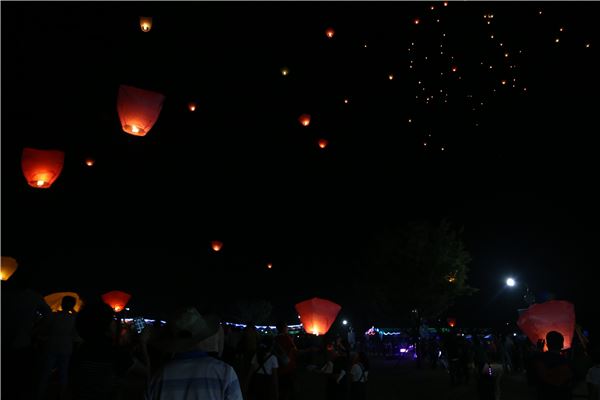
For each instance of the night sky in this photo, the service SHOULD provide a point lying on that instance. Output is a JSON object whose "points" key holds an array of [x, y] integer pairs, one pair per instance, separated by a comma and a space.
{"points": [[492, 125]]}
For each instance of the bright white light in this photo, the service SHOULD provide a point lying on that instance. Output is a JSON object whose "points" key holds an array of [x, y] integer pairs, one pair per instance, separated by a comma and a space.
{"points": [[511, 282], [345, 322]]}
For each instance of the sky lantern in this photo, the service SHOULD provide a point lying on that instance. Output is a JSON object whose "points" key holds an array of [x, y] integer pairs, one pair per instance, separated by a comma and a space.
{"points": [[329, 32], [41, 167], [270, 266], [554, 315], [54, 300], [317, 315], [323, 143], [285, 71], [138, 109], [90, 162], [451, 322], [8, 267], [304, 119], [116, 299], [417, 21], [192, 106], [146, 24], [216, 245]]}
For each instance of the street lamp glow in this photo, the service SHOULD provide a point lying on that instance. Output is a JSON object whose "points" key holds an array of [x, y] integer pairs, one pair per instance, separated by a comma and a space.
{"points": [[510, 282]]}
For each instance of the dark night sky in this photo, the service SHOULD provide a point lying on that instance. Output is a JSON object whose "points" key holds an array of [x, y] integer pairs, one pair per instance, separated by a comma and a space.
{"points": [[518, 172]]}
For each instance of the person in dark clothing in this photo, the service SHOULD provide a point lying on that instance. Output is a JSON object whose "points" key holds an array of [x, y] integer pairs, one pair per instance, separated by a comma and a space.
{"points": [[554, 372]]}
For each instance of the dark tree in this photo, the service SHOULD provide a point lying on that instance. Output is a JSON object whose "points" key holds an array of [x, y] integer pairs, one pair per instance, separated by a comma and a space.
{"points": [[418, 269]]}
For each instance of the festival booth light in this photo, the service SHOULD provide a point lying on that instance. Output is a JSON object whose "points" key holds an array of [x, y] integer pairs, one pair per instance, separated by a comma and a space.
{"points": [[554, 315], [8, 267], [138, 109], [54, 300], [116, 299], [41, 167], [317, 315]]}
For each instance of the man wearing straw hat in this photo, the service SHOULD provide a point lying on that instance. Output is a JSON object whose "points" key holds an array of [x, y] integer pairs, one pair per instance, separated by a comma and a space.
{"points": [[192, 373]]}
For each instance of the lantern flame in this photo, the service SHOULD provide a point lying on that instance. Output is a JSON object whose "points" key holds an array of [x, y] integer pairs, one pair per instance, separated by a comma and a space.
{"points": [[41, 167], [146, 24], [8, 267], [304, 119], [216, 245]]}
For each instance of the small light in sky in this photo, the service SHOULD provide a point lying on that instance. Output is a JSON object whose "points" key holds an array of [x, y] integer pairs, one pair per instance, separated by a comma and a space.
{"points": [[587, 45], [365, 45], [540, 12], [505, 55], [89, 162], [432, 8], [285, 71], [510, 282], [425, 144], [557, 40], [561, 29], [329, 32], [503, 82], [445, 4], [501, 44], [345, 101], [454, 69], [417, 21], [269, 265], [443, 149], [437, 20], [524, 89], [491, 67], [390, 77], [491, 36], [489, 22]]}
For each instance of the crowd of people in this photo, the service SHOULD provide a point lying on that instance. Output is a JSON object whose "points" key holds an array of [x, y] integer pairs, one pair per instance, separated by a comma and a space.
{"points": [[92, 354]]}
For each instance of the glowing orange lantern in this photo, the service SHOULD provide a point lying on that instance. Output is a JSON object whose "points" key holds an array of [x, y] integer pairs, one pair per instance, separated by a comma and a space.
{"points": [[116, 299], [417, 21], [329, 32], [554, 315], [90, 162], [55, 300], [451, 322], [269, 266], [146, 24], [42, 167], [317, 315], [8, 267], [304, 119], [138, 109], [216, 245], [323, 143], [285, 71], [192, 106]]}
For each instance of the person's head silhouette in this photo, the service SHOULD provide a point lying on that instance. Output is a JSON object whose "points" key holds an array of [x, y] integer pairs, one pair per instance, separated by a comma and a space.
{"points": [[554, 341]]}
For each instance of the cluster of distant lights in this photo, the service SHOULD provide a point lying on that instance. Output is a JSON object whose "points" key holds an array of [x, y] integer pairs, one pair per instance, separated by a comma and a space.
{"points": [[146, 26]]}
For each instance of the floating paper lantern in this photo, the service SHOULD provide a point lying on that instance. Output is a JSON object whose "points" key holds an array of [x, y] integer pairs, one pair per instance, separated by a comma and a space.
{"points": [[323, 143], [216, 245], [451, 322], [138, 109], [317, 315], [146, 24], [192, 106], [285, 71], [41, 167], [8, 267], [54, 300], [554, 315], [269, 266], [90, 162], [304, 119], [116, 299], [329, 32]]}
